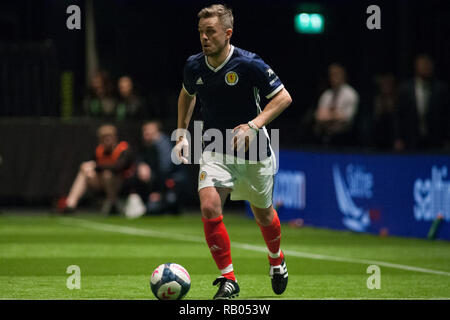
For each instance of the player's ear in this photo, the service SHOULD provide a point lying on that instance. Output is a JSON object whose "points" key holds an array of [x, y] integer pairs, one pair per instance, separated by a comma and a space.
{"points": [[229, 32]]}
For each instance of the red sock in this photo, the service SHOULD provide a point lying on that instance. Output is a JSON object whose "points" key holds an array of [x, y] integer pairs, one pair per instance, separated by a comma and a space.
{"points": [[219, 244], [272, 237]]}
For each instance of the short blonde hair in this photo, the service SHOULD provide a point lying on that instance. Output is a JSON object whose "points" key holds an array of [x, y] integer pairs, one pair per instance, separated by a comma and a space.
{"points": [[218, 10], [106, 129]]}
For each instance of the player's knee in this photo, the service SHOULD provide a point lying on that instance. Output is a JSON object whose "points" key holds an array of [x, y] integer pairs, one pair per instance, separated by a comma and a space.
{"points": [[210, 209], [264, 220], [263, 217], [108, 174], [84, 168]]}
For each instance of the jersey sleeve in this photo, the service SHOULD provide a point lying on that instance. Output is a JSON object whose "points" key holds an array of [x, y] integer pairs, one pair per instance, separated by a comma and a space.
{"points": [[266, 80], [188, 82]]}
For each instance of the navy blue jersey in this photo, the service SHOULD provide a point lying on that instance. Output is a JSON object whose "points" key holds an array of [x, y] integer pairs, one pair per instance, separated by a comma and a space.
{"points": [[229, 95]]}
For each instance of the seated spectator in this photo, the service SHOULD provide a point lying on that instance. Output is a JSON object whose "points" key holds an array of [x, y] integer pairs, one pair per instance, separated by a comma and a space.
{"points": [[158, 180], [423, 117], [99, 101], [130, 105], [110, 165], [384, 106], [336, 109]]}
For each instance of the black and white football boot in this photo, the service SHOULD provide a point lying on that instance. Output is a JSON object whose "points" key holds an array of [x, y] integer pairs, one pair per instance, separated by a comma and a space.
{"points": [[279, 277], [228, 289]]}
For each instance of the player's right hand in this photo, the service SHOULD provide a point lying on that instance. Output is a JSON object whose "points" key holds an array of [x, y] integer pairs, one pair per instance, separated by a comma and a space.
{"points": [[144, 172], [180, 152], [243, 137]]}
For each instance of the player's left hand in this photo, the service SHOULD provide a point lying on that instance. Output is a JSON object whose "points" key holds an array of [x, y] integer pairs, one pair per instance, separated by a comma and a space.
{"points": [[244, 135]]}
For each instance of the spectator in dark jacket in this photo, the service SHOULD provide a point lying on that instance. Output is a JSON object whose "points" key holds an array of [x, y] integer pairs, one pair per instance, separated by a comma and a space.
{"points": [[423, 117], [99, 101], [158, 179], [384, 107], [130, 104]]}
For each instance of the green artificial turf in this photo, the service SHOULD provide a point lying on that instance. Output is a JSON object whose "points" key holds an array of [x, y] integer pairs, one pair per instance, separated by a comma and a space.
{"points": [[116, 257]]}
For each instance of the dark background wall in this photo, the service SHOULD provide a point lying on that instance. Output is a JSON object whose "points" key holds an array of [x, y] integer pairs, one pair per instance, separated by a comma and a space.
{"points": [[151, 40]]}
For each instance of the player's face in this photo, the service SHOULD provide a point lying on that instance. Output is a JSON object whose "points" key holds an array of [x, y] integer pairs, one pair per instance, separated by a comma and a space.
{"points": [[150, 133], [424, 67], [125, 86], [108, 141], [213, 36], [337, 76]]}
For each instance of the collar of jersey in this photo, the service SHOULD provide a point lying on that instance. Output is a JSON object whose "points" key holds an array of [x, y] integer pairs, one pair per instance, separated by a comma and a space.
{"points": [[223, 63]]}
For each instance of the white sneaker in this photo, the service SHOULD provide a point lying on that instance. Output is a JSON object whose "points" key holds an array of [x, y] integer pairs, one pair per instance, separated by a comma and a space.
{"points": [[134, 207]]}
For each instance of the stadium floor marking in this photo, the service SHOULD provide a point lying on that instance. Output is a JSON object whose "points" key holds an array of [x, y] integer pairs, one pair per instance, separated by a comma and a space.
{"points": [[240, 245]]}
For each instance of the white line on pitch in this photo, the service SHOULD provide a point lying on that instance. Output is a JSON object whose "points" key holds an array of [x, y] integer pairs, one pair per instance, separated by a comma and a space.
{"points": [[357, 298], [240, 299], [240, 245]]}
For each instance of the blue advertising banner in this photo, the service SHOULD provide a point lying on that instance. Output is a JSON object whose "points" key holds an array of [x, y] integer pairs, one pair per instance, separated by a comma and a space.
{"points": [[396, 194]]}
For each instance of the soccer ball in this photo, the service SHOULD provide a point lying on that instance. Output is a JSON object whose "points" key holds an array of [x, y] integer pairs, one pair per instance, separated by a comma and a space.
{"points": [[170, 281]]}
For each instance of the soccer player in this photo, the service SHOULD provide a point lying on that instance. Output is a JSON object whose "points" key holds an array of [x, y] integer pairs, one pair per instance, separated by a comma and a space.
{"points": [[227, 81]]}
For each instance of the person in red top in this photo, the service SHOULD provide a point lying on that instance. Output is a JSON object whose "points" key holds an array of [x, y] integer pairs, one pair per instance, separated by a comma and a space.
{"points": [[113, 163]]}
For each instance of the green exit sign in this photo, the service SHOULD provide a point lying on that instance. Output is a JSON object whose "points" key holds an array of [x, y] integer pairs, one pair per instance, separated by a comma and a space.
{"points": [[309, 23]]}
